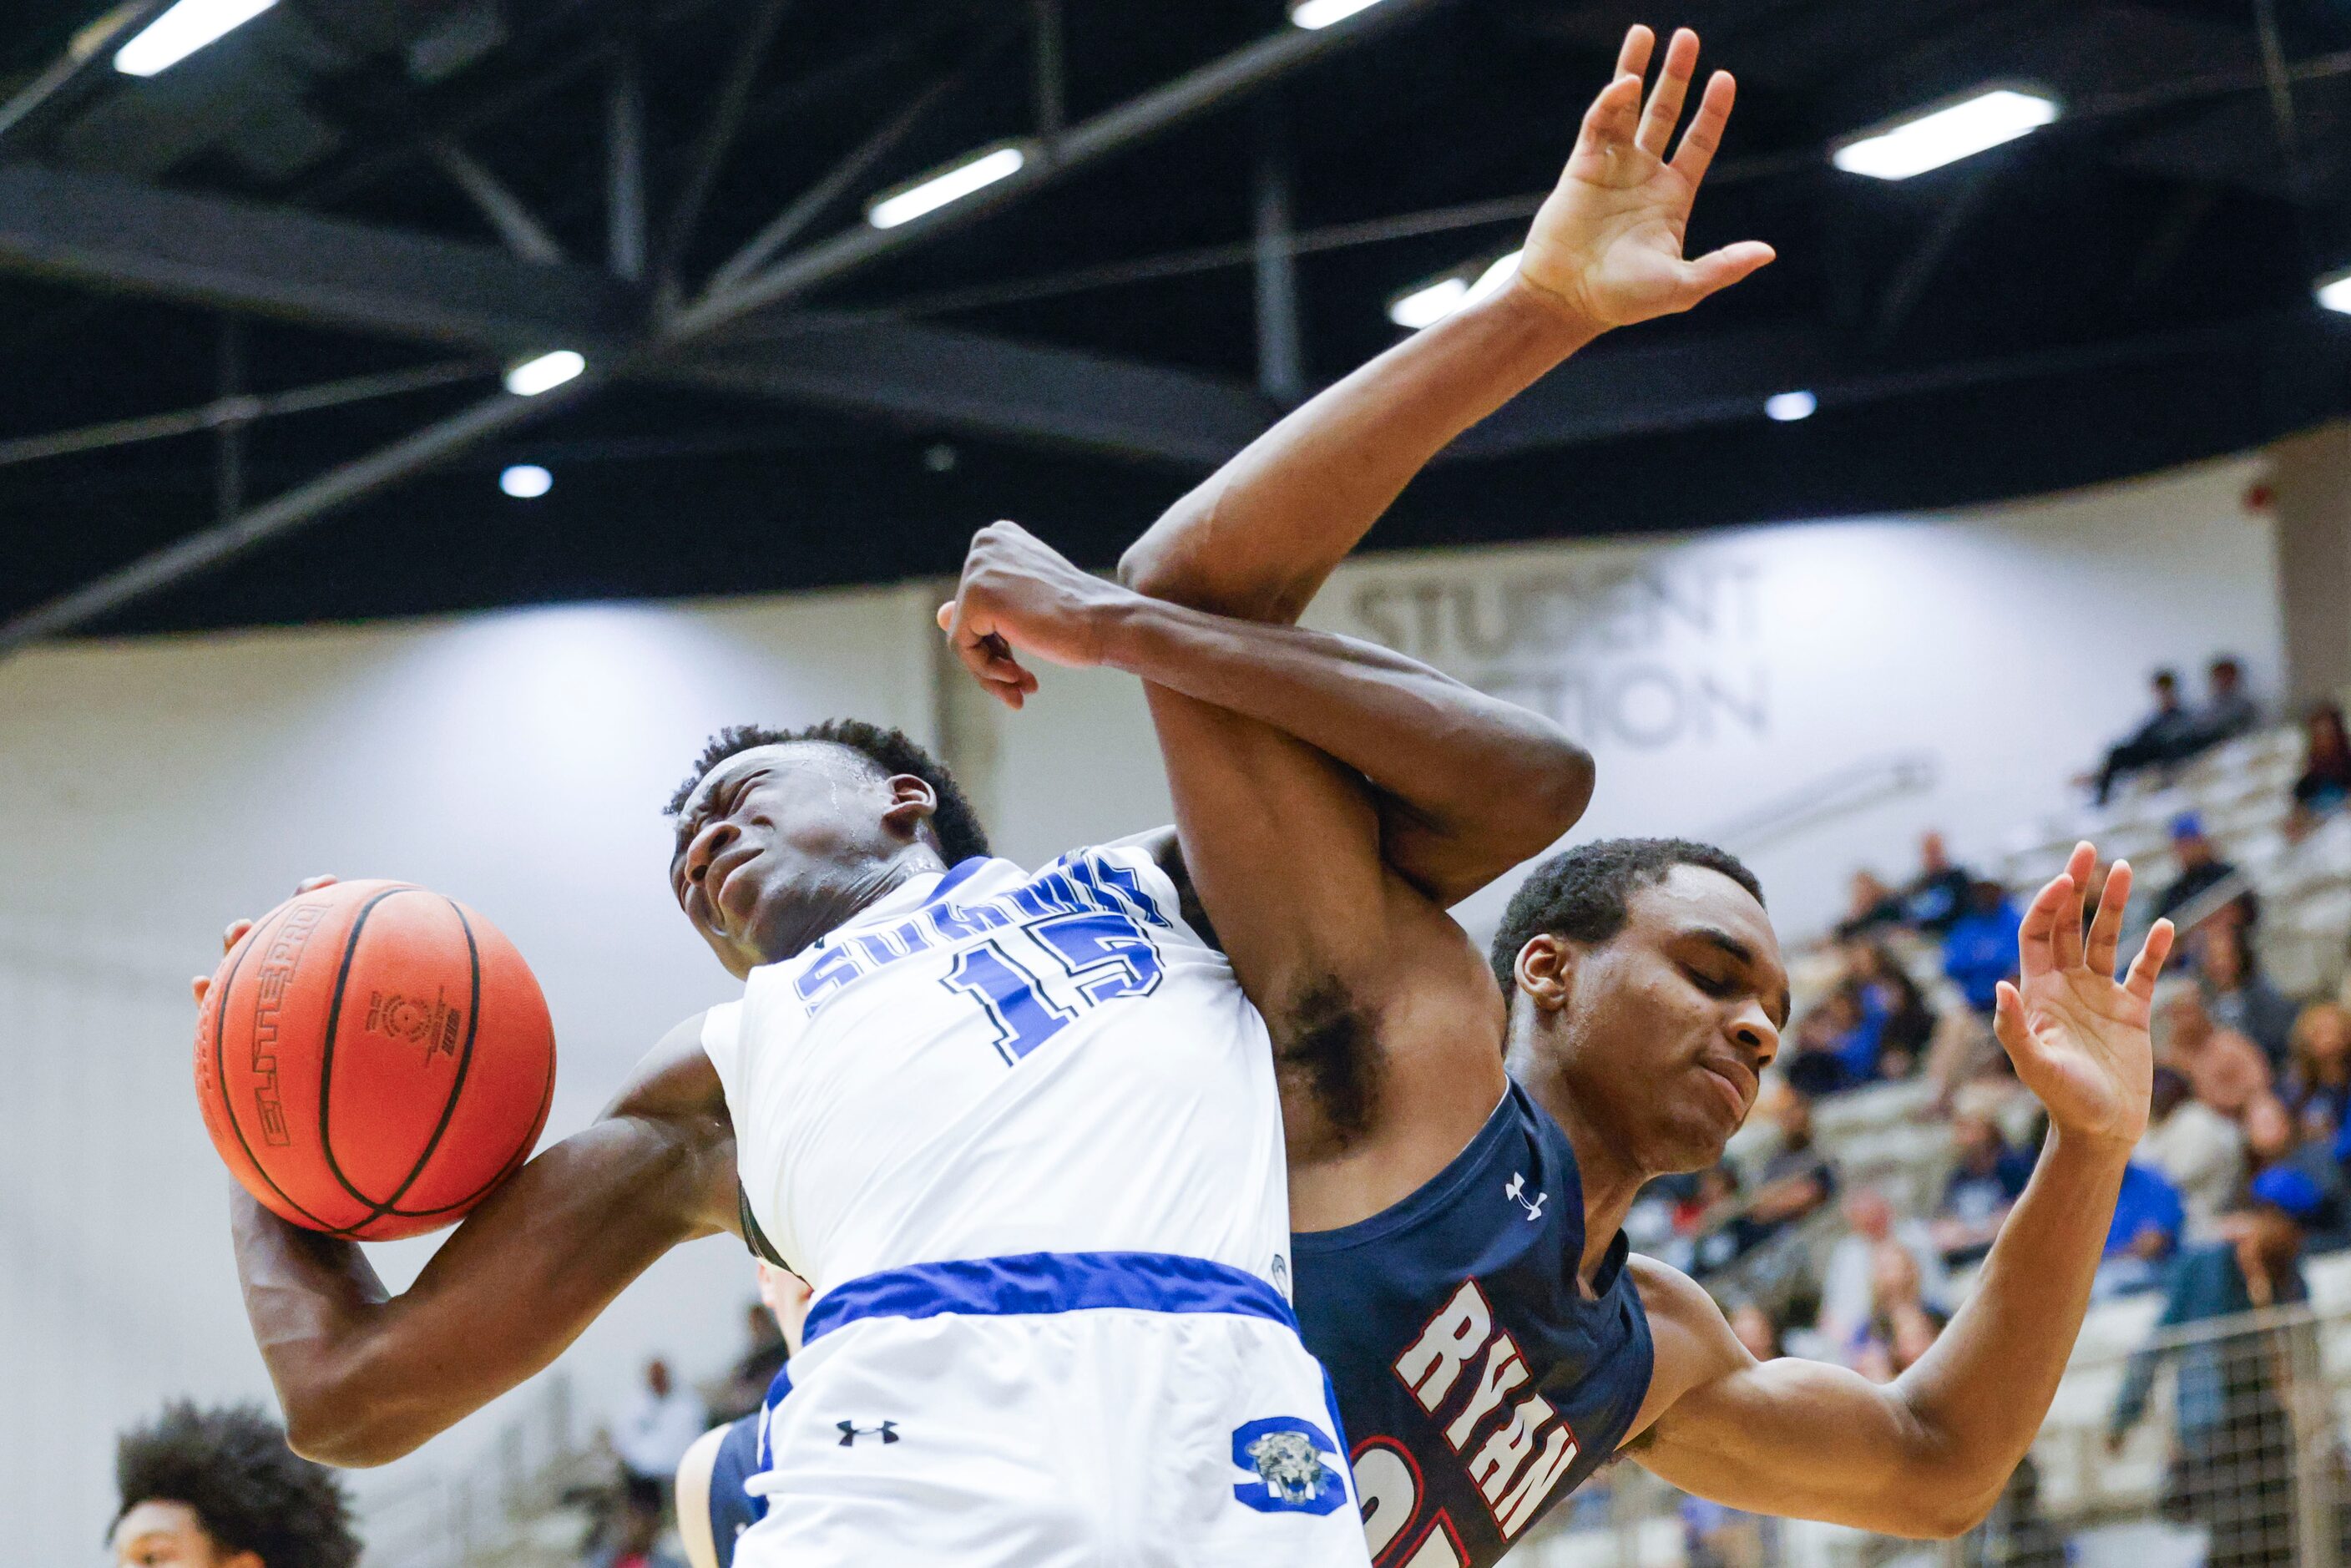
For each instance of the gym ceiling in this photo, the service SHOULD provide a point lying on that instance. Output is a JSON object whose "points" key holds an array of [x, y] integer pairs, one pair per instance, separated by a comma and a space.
{"points": [[254, 310]]}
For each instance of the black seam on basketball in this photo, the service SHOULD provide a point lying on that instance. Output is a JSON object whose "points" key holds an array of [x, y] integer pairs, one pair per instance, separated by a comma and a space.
{"points": [[327, 1054], [220, 1077], [457, 1081], [514, 1162]]}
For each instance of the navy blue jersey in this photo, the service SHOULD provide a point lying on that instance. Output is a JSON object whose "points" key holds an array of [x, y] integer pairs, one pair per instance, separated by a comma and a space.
{"points": [[734, 1511], [1479, 1385]]}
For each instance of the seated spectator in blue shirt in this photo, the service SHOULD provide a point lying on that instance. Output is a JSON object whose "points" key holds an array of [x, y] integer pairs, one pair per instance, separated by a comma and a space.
{"points": [[2148, 1218], [1937, 897], [1981, 1189], [1980, 949], [2201, 869]]}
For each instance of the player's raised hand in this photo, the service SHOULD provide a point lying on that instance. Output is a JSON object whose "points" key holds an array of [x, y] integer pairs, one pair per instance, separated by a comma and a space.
{"points": [[1018, 592], [202, 984], [1607, 244], [2079, 1037]]}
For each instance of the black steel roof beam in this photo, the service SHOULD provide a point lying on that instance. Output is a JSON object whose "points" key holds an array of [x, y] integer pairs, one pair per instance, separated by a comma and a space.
{"points": [[329, 272]]}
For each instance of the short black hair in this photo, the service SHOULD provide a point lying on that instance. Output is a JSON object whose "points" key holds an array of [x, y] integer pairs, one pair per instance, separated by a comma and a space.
{"points": [[1581, 893], [251, 1492], [2166, 676], [958, 825]]}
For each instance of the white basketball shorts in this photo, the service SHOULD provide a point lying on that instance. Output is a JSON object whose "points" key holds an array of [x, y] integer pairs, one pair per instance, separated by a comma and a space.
{"points": [[1054, 1411]]}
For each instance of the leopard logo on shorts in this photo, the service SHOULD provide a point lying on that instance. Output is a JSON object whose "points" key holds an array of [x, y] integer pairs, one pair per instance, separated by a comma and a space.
{"points": [[1289, 1472]]}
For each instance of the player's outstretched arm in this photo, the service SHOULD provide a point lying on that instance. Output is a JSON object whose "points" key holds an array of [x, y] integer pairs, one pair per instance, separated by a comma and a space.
{"points": [[365, 1376], [1258, 538], [1467, 784], [1929, 1453]]}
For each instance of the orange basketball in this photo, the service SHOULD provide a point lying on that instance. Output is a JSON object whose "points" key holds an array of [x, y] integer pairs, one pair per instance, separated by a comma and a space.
{"points": [[373, 1058]]}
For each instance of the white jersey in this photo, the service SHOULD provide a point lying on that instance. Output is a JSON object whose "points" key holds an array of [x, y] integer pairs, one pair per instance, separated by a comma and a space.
{"points": [[987, 1063], [1020, 1135]]}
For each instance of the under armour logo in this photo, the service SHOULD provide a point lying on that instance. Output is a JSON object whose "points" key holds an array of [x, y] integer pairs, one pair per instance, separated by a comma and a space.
{"points": [[851, 1431], [1515, 1189]]}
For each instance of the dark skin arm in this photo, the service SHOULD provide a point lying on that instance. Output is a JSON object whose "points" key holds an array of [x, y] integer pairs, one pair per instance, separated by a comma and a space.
{"points": [[365, 1376], [1444, 761], [1258, 538]]}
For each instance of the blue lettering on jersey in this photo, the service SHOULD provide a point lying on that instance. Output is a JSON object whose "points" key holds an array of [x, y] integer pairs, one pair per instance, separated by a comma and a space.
{"points": [[1083, 909]]}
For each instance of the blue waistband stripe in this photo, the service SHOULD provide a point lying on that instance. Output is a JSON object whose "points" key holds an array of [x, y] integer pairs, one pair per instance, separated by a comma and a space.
{"points": [[1034, 1284]]}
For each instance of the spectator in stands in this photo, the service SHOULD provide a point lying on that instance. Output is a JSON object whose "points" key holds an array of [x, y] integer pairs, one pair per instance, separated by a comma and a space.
{"points": [[1846, 1303], [2226, 1071], [2231, 1467], [2237, 995], [1814, 1064], [2159, 739], [2201, 869], [1902, 1324], [1798, 1179], [1711, 1227], [2200, 1152], [2325, 780], [1755, 1330], [2318, 1071], [1937, 897], [219, 1489], [1890, 993], [745, 1387], [2271, 1142], [1982, 1187], [2228, 709], [2145, 1233], [1980, 949], [1870, 907], [659, 1424]]}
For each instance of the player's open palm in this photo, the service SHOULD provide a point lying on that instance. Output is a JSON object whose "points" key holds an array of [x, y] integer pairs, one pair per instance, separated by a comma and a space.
{"points": [[2079, 1037], [1608, 241]]}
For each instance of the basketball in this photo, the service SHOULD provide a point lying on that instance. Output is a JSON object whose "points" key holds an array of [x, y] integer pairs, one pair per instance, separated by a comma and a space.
{"points": [[373, 1058]]}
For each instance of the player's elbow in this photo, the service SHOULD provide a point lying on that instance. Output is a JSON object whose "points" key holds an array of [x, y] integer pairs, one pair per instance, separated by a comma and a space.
{"points": [[1559, 786], [329, 1431], [1172, 571]]}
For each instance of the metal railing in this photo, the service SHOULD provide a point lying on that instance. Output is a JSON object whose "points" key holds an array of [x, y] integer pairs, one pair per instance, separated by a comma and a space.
{"points": [[485, 1513], [2236, 1460]]}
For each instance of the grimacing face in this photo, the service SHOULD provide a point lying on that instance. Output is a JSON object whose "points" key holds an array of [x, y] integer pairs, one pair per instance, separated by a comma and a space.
{"points": [[157, 1534], [778, 844], [1660, 1033]]}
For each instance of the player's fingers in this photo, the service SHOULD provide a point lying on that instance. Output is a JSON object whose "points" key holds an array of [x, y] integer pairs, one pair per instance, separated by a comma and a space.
{"points": [[313, 883], [1633, 55], [2107, 928], [1703, 137], [200, 986], [2036, 939], [2147, 968], [237, 928], [946, 616], [1615, 115], [1666, 99], [2008, 1021], [2067, 937], [1719, 269]]}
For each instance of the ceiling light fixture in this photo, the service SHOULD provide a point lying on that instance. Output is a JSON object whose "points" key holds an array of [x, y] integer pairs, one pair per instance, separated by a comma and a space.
{"points": [[1313, 14], [950, 185], [526, 481], [545, 373], [2334, 291], [182, 31], [1429, 303], [1790, 406], [1940, 136]]}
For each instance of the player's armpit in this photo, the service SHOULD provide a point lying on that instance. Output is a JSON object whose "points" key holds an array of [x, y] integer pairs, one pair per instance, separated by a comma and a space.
{"points": [[365, 1376], [1799, 1439], [1384, 1021]]}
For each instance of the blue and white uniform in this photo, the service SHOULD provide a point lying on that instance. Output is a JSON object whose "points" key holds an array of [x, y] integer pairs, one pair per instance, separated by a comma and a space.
{"points": [[1020, 1135]]}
